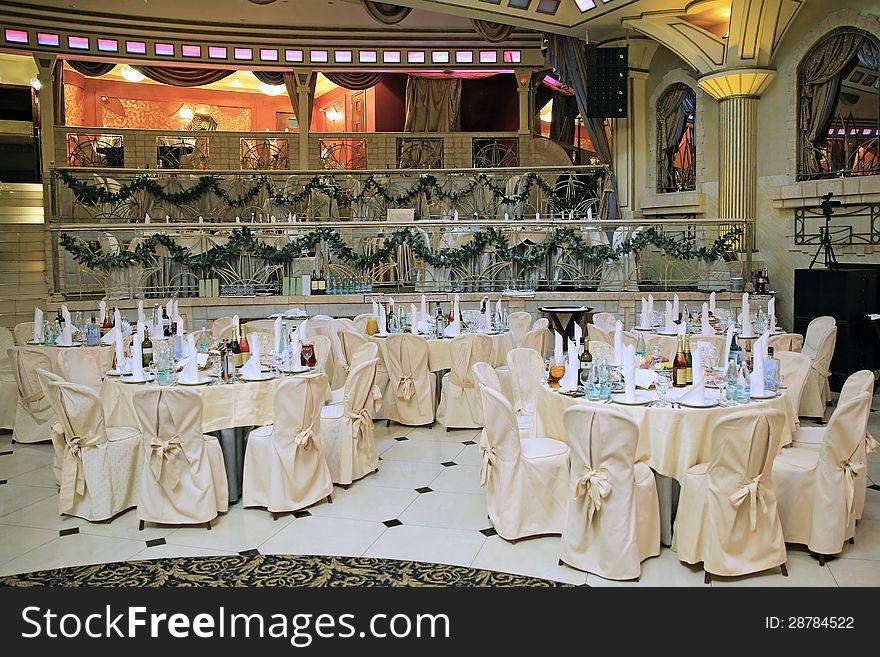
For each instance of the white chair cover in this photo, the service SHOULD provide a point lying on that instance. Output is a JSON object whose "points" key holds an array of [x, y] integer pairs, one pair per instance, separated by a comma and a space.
{"points": [[599, 349], [668, 346], [367, 351], [23, 332], [284, 468], [8, 387], [101, 469], [361, 321], [409, 396], [79, 366], [604, 322], [599, 335], [221, 328], [540, 324], [613, 518], [33, 416], [317, 327], [459, 399], [537, 339], [727, 516], [45, 377], [519, 322], [184, 476], [526, 372], [525, 481], [794, 369], [817, 489], [347, 430], [819, 343], [353, 342]]}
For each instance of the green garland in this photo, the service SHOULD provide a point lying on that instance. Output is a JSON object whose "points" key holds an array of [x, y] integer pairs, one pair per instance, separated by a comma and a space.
{"points": [[242, 240], [427, 185]]}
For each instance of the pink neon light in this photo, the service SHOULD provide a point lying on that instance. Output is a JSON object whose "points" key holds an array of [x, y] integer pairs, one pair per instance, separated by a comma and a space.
{"points": [[512, 57], [464, 56], [136, 47], [216, 52], [488, 56], [415, 57], [243, 53], [342, 56], [268, 54], [80, 43], [391, 56], [318, 56], [165, 49], [368, 56], [16, 36], [191, 51], [293, 55], [108, 45], [45, 39], [440, 57], [585, 5]]}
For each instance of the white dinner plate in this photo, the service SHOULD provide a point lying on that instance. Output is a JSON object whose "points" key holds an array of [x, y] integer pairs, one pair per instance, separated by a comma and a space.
{"points": [[642, 398], [667, 333], [72, 344], [129, 379], [299, 369], [262, 377], [642, 328], [203, 380], [705, 403], [114, 373], [34, 342], [771, 395]]}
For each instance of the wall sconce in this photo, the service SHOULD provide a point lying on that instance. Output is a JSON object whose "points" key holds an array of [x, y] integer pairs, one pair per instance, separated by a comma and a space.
{"points": [[272, 89], [185, 113], [334, 115], [131, 74], [36, 84]]}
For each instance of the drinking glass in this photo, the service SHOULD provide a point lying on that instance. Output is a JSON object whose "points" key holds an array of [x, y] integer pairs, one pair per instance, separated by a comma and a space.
{"points": [[662, 384], [557, 371], [546, 370]]}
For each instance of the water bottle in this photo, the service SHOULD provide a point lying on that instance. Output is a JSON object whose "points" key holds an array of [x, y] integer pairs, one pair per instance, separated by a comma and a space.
{"points": [[641, 349], [93, 334], [771, 372], [742, 385], [592, 383], [730, 381], [604, 381]]}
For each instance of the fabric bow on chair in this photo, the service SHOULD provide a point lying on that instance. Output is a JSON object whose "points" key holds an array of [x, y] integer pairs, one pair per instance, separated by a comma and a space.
{"points": [[593, 485], [406, 388], [359, 422], [161, 451], [753, 491], [73, 480], [304, 437], [871, 444], [488, 461], [851, 470]]}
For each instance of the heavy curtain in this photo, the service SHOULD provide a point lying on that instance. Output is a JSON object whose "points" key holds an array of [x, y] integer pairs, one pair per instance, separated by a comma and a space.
{"points": [[355, 81], [820, 84], [290, 83], [183, 77], [567, 55], [562, 119], [385, 12], [433, 105], [492, 32], [90, 69], [269, 77]]}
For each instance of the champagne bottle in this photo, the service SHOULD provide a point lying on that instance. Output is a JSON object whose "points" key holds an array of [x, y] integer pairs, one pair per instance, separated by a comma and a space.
{"points": [[106, 322], [679, 366], [245, 348], [688, 359], [236, 348], [147, 350]]}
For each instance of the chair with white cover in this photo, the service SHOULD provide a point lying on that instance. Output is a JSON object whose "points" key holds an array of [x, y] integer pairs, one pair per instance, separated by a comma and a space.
{"points": [[361, 321], [284, 467], [605, 322], [819, 343], [409, 396], [794, 369], [33, 416], [45, 377], [23, 332], [352, 342], [526, 373], [367, 351], [184, 476], [459, 406], [221, 328], [323, 355], [80, 366], [344, 324], [347, 429], [8, 387], [727, 512], [599, 350], [599, 335], [718, 343], [668, 345], [537, 339], [817, 489], [101, 468], [540, 324], [525, 481], [784, 342], [613, 518], [486, 375], [331, 364], [520, 323]]}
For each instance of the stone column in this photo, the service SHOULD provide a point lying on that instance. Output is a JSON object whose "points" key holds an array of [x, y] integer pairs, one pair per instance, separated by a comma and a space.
{"points": [[46, 99], [524, 90], [306, 99]]}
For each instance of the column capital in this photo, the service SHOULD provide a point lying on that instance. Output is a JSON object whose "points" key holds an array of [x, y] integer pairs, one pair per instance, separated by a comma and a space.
{"points": [[736, 82]]}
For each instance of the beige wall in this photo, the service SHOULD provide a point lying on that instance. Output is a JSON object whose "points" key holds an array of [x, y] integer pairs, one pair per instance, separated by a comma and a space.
{"points": [[22, 252]]}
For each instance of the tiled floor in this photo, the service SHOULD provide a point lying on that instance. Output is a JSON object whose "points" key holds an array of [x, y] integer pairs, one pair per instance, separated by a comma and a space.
{"points": [[424, 503]]}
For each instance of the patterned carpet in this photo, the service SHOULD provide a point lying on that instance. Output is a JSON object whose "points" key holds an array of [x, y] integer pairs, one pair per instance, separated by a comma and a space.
{"points": [[271, 570]]}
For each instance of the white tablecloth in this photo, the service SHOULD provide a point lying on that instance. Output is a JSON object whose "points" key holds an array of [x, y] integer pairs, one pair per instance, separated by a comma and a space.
{"points": [[103, 355], [440, 354]]}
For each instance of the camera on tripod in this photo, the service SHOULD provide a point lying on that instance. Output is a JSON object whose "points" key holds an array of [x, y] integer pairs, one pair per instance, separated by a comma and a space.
{"points": [[828, 205], [825, 246]]}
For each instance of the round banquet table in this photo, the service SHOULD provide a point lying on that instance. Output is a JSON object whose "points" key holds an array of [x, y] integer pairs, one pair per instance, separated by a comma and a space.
{"points": [[103, 354], [671, 440], [229, 412]]}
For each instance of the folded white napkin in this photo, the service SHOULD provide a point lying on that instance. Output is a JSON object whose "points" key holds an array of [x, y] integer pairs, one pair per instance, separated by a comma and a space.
{"points": [[137, 358], [771, 314], [645, 378], [570, 378], [251, 369], [102, 309], [697, 394], [141, 317], [413, 320], [557, 347], [277, 331], [705, 326], [235, 323], [296, 312], [712, 302], [748, 330], [728, 340], [650, 307], [618, 342], [296, 343], [179, 326], [190, 373], [578, 333], [375, 307], [498, 310], [169, 310], [644, 322], [66, 337], [756, 380], [423, 310], [38, 325], [454, 327], [675, 306], [121, 364], [670, 324], [629, 373], [383, 320]]}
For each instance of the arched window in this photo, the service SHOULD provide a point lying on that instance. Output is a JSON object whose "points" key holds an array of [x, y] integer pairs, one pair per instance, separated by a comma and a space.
{"points": [[839, 106], [676, 148]]}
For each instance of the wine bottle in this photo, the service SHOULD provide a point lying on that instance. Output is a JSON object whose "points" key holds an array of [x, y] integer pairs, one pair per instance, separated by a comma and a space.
{"points": [[230, 363], [166, 323], [314, 283], [147, 350], [59, 319], [322, 283], [679, 366], [586, 363], [688, 359], [106, 322]]}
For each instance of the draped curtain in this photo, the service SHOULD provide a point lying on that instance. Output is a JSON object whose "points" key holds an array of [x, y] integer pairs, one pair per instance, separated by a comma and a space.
{"points": [[385, 12], [492, 32], [355, 81], [433, 105], [821, 74], [90, 69], [275, 78], [562, 119], [183, 77], [567, 55]]}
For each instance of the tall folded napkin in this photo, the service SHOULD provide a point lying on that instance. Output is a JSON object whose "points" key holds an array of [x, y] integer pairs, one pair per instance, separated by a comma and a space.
{"points": [[454, 327], [251, 369], [712, 302], [296, 342], [698, 392], [413, 320], [675, 306], [180, 327], [375, 307], [578, 333], [756, 379], [176, 310], [748, 330], [762, 344], [771, 314], [146, 218], [276, 327], [140, 330], [169, 310], [644, 321], [705, 326], [423, 317], [141, 317], [570, 378], [121, 365], [485, 316], [190, 373], [670, 323], [38, 325], [645, 378], [682, 328], [382, 320], [498, 311], [66, 337], [557, 347], [650, 307], [137, 358], [618, 342], [728, 340], [629, 373], [102, 310]]}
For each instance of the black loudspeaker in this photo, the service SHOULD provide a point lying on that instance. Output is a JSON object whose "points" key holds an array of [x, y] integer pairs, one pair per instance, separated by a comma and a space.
{"points": [[848, 294], [607, 82]]}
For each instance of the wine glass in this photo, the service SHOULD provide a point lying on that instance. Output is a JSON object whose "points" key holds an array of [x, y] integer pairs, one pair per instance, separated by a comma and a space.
{"points": [[557, 371], [662, 384]]}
